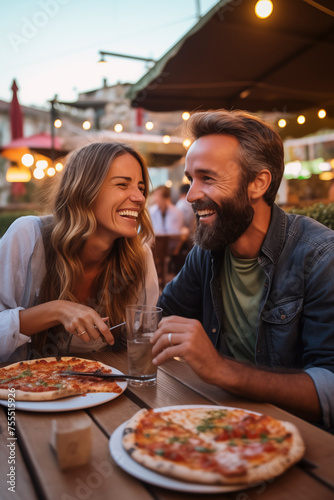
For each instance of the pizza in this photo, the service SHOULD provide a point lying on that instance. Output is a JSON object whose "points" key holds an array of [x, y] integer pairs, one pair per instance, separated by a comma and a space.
{"points": [[212, 445], [41, 379]]}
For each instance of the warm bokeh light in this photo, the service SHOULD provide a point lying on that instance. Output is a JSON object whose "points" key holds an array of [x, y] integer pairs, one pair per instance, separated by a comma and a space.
{"points": [[59, 166], [27, 160], [118, 127], [332, 163], [169, 183], [325, 166], [166, 139], [41, 164], [326, 176], [58, 123], [86, 125], [38, 173], [51, 171], [185, 116], [264, 8], [186, 143], [149, 125], [18, 174], [301, 119], [282, 123], [185, 180], [322, 113]]}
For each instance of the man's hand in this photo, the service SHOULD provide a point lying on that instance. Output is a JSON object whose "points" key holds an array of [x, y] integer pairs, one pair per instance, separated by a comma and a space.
{"points": [[186, 338]]}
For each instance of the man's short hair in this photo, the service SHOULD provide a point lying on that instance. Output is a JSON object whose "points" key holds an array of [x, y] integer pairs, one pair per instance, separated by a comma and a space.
{"points": [[184, 188], [164, 191], [260, 147]]}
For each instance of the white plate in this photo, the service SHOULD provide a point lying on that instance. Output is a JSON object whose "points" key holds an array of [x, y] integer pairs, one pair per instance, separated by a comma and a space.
{"points": [[123, 459], [72, 403]]}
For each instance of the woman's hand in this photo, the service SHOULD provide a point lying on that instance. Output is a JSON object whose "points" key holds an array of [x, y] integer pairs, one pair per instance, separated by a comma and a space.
{"points": [[83, 321], [185, 338], [77, 319]]}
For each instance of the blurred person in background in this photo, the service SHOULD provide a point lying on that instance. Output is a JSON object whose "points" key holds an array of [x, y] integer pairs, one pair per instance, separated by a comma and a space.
{"points": [[186, 208], [166, 217], [63, 276]]}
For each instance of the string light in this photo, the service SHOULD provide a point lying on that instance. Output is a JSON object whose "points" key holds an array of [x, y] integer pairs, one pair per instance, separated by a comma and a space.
{"points": [[86, 125], [322, 113], [51, 171], [185, 116], [59, 166], [282, 123], [186, 143], [41, 164], [38, 173], [58, 123], [301, 119], [27, 160], [118, 127], [166, 139], [264, 8], [149, 125]]}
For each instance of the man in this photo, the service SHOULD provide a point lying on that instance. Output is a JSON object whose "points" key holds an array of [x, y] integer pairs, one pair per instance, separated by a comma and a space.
{"points": [[252, 310], [166, 218], [186, 209]]}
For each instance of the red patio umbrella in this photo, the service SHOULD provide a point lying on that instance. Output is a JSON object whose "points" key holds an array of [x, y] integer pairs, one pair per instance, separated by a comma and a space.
{"points": [[16, 118], [16, 125]]}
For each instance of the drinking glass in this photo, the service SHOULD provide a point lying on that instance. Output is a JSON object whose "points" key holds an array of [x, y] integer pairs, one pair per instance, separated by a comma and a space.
{"points": [[141, 323]]}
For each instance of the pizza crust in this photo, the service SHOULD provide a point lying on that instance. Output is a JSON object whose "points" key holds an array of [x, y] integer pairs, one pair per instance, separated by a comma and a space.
{"points": [[40, 396], [265, 471]]}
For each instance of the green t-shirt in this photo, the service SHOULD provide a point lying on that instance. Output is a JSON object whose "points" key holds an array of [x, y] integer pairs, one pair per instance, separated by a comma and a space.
{"points": [[242, 283]]}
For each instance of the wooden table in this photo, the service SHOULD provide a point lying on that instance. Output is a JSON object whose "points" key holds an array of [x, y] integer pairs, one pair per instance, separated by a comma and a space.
{"points": [[38, 475]]}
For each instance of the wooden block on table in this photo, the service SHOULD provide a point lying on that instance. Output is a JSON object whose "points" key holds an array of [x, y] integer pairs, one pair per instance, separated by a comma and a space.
{"points": [[72, 441]]}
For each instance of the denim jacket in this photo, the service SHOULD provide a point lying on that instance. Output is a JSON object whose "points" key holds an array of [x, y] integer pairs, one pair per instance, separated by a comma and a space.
{"points": [[295, 326]]}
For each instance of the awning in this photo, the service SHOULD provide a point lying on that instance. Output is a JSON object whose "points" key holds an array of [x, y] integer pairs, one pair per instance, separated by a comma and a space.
{"points": [[232, 59]]}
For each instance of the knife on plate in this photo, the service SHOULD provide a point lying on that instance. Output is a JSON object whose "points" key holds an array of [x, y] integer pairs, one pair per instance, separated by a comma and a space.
{"points": [[115, 376]]}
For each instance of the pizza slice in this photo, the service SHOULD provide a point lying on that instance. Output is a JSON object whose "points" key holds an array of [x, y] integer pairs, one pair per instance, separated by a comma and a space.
{"points": [[41, 379]]}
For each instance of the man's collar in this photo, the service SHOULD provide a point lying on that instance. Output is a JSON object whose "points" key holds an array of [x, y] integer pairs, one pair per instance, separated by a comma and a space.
{"points": [[274, 240]]}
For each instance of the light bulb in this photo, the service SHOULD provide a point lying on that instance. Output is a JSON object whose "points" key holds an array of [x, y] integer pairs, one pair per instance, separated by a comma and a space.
{"points": [[118, 127], [264, 8], [58, 123], [282, 123]]}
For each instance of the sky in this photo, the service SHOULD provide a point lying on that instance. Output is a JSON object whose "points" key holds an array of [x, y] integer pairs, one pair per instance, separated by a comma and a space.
{"points": [[51, 46]]}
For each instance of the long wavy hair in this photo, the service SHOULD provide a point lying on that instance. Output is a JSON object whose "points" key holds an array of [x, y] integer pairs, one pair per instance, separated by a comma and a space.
{"points": [[65, 233]]}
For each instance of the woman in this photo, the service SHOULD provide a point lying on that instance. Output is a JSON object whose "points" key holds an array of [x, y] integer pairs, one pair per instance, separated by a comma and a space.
{"points": [[62, 277]]}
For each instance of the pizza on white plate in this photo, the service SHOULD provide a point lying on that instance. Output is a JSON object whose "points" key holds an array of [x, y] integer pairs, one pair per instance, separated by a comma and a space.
{"points": [[41, 379], [212, 445]]}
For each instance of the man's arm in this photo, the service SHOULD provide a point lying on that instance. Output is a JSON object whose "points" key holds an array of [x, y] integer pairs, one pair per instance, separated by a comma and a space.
{"points": [[294, 391]]}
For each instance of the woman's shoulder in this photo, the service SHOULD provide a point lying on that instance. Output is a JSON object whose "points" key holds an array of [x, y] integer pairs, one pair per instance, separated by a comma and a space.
{"points": [[26, 222], [25, 228]]}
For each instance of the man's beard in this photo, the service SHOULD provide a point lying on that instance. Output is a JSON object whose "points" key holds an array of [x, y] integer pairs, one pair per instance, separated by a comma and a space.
{"points": [[232, 219]]}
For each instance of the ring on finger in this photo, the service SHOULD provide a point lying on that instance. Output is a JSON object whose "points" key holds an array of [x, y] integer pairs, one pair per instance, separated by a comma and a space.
{"points": [[170, 339], [82, 333]]}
